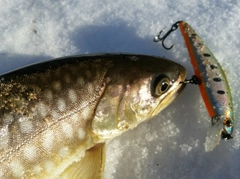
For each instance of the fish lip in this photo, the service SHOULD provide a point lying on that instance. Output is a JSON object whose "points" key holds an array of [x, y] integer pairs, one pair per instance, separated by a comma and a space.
{"points": [[181, 78], [173, 94], [183, 85]]}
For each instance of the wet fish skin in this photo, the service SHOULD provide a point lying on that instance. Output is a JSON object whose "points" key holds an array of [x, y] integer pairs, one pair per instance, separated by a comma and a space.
{"points": [[133, 85], [52, 112]]}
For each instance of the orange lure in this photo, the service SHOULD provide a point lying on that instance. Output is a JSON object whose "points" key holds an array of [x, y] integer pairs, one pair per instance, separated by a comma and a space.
{"points": [[212, 82]]}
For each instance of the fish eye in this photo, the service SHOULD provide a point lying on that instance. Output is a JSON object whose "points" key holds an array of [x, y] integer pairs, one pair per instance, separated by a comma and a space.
{"points": [[160, 84]]}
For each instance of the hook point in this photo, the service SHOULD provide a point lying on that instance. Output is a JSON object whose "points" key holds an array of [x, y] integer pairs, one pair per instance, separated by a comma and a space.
{"points": [[158, 38]]}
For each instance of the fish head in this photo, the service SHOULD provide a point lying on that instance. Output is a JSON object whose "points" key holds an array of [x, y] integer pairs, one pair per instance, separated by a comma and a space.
{"points": [[138, 88]]}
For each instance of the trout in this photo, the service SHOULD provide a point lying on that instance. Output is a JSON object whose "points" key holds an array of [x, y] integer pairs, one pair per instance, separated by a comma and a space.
{"points": [[56, 116]]}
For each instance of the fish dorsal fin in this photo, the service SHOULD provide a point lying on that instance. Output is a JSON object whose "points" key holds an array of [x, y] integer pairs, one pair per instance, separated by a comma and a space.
{"points": [[91, 166]]}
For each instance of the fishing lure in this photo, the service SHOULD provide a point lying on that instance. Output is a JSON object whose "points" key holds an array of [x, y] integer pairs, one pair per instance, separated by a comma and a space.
{"points": [[212, 82]]}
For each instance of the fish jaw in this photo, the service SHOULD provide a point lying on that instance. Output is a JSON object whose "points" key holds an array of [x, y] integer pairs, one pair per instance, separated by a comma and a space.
{"points": [[175, 92], [131, 97]]}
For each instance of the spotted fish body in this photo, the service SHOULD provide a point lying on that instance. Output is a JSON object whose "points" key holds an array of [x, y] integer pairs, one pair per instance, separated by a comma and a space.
{"points": [[56, 116], [214, 86]]}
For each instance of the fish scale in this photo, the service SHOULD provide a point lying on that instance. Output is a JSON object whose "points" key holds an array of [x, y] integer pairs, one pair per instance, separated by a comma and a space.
{"points": [[37, 116], [57, 113]]}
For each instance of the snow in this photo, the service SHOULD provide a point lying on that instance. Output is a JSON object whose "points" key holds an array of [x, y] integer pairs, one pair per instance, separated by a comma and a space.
{"points": [[171, 144]]}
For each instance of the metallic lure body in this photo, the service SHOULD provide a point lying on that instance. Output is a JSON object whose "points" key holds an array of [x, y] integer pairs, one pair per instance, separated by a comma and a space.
{"points": [[56, 116], [214, 87]]}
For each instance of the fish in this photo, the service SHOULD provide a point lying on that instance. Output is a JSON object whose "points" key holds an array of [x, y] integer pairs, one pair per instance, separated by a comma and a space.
{"points": [[56, 116], [213, 86]]}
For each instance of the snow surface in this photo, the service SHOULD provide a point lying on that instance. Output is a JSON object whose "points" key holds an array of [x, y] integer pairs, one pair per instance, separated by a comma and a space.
{"points": [[171, 144]]}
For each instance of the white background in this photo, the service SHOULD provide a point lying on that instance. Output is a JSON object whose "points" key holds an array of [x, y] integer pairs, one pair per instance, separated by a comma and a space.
{"points": [[171, 144]]}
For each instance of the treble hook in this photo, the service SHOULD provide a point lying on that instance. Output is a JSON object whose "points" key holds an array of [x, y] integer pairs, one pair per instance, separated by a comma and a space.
{"points": [[158, 38]]}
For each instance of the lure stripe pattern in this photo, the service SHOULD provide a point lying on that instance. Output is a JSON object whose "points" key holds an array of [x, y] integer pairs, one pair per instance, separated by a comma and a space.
{"points": [[214, 86]]}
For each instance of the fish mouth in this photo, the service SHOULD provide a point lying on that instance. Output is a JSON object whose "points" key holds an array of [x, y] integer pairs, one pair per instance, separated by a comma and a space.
{"points": [[179, 84], [181, 78], [183, 85], [175, 93], [166, 101]]}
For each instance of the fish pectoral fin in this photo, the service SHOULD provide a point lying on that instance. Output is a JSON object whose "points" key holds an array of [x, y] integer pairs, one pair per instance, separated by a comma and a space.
{"points": [[91, 166]]}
